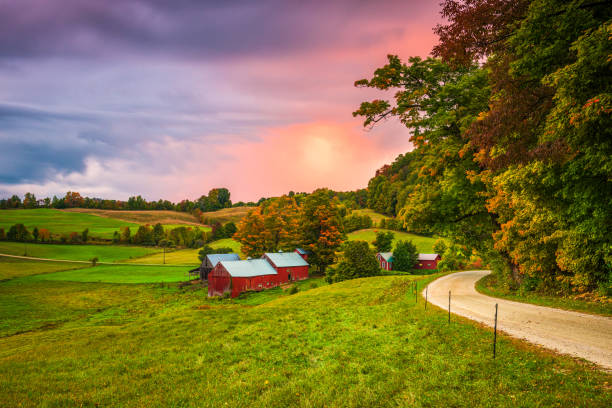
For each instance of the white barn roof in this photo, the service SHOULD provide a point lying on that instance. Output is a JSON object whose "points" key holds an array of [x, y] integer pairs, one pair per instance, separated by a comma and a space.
{"points": [[387, 256], [248, 268], [286, 259], [214, 259], [428, 257]]}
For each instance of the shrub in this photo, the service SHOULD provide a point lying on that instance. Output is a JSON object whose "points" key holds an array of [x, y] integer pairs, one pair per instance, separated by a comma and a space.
{"points": [[294, 289], [357, 261], [313, 285], [94, 261]]}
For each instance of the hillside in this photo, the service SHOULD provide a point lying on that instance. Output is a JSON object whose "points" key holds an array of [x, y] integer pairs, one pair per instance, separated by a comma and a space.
{"points": [[423, 244], [357, 343], [225, 215], [142, 217]]}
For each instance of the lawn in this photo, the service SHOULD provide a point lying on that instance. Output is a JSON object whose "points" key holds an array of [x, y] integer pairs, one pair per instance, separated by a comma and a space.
{"points": [[356, 343], [227, 243], [104, 253], [488, 286], [424, 244], [64, 222], [120, 274]]}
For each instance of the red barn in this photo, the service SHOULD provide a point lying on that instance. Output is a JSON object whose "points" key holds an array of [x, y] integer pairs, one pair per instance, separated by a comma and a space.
{"points": [[238, 276], [290, 266], [304, 254], [428, 261], [385, 260]]}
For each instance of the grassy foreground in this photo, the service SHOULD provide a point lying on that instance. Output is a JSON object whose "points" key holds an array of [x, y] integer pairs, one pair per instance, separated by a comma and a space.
{"points": [[488, 286], [356, 343], [423, 244]]}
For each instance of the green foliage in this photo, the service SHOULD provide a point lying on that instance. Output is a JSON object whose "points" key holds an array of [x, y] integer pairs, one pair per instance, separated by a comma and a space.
{"points": [[454, 258], [383, 241], [207, 250], [294, 289], [19, 233], [439, 247], [357, 261], [405, 256]]}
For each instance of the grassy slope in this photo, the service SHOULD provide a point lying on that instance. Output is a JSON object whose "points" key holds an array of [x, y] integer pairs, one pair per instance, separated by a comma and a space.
{"points": [[376, 217], [141, 217], [423, 244], [225, 215], [65, 222], [187, 256], [356, 343], [487, 286], [11, 268], [105, 253], [120, 274]]}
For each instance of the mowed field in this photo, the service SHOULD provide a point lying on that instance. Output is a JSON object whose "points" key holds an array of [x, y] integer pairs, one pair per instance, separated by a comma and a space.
{"points": [[104, 253], [65, 222], [364, 342], [423, 244]]}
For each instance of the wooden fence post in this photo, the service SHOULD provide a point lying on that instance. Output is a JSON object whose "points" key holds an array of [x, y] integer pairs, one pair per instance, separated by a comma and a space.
{"points": [[495, 333]]}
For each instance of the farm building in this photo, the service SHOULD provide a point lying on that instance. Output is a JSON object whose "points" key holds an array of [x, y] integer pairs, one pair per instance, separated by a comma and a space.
{"points": [[238, 276], [271, 270], [290, 266], [211, 260], [303, 253], [425, 261], [385, 260], [428, 261]]}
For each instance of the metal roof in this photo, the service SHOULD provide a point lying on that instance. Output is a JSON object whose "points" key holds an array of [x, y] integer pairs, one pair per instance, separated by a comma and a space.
{"points": [[248, 268], [214, 259], [387, 256], [285, 259], [428, 257], [302, 251]]}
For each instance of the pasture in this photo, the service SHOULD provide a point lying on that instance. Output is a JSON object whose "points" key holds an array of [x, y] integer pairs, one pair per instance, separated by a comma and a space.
{"points": [[141, 217], [423, 244], [64, 222], [363, 342], [120, 274], [226, 215], [104, 253], [376, 217]]}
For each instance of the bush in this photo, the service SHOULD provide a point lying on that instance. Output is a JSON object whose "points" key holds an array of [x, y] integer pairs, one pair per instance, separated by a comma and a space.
{"points": [[207, 250], [313, 285], [357, 261], [294, 289], [94, 261], [405, 256]]}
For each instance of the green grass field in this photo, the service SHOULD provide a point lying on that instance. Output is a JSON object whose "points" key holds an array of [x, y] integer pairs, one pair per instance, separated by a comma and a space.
{"points": [[105, 253], [376, 217], [175, 257], [64, 222], [488, 286], [120, 274], [423, 244], [356, 343], [11, 268]]}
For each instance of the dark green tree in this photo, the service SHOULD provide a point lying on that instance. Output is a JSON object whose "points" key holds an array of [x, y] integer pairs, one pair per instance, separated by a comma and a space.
{"points": [[384, 241], [357, 261], [405, 256]]}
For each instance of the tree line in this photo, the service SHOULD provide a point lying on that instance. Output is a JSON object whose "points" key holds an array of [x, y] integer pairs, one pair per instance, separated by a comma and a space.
{"points": [[513, 140]]}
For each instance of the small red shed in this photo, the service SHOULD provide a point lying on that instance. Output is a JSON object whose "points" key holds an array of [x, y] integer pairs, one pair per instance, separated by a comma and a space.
{"points": [[428, 261], [385, 260], [290, 266], [303, 253], [238, 276]]}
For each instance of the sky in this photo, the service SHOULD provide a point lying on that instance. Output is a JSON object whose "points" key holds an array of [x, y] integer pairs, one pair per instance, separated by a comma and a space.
{"points": [[169, 99]]}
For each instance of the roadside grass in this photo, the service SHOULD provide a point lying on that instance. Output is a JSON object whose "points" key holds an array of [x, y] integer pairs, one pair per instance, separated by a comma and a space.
{"points": [[104, 253], [488, 286], [120, 274], [225, 215], [423, 244], [141, 217], [64, 222], [376, 217], [11, 268], [362, 342]]}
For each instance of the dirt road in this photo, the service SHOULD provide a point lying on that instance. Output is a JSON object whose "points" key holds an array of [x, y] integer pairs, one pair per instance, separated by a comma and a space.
{"points": [[578, 334]]}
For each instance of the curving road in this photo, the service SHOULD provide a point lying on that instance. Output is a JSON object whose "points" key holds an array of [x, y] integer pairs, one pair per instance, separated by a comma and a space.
{"points": [[578, 334]]}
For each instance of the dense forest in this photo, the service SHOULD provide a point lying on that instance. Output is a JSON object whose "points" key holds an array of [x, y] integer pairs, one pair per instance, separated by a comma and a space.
{"points": [[510, 122]]}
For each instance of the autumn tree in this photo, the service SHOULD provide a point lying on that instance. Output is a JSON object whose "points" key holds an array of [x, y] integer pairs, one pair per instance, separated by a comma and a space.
{"points": [[320, 228], [73, 199]]}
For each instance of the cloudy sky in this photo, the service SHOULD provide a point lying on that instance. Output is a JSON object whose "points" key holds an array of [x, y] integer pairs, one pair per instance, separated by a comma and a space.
{"points": [[169, 99]]}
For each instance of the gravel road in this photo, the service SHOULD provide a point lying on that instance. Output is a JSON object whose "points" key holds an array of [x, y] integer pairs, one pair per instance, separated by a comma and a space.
{"points": [[578, 334]]}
